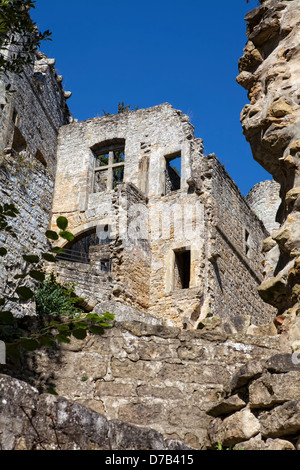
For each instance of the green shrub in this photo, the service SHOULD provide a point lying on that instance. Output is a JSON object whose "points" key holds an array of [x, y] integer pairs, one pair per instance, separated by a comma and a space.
{"points": [[52, 298]]}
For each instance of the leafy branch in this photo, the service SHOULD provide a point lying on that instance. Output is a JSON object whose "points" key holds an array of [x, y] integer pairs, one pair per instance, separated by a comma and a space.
{"points": [[19, 35], [52, 330]]}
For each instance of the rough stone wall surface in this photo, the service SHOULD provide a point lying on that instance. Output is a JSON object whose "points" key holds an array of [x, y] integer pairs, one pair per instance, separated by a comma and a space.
{"points": [[150, 375], [236, 258], [264, 200], [152, 225], [34, 421], [269, 70], [261, 408], [29, 121]]}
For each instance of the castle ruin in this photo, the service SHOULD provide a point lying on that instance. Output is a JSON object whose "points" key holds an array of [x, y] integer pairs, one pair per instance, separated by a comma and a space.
{"points": [[202, 281]]}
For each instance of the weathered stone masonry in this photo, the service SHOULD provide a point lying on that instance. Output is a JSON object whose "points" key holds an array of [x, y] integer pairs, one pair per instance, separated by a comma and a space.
{"points": [[182, 254], [29, 119], [269, 70], [173, 252]]}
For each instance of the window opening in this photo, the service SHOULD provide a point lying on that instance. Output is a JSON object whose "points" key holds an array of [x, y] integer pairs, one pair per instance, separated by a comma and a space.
{"points": [[15, 117], [79, 250], [105, 265], [109, 168], [173, 173], [105, 235], [247, 244], [19, 144], [40, 157], [182, 269]]}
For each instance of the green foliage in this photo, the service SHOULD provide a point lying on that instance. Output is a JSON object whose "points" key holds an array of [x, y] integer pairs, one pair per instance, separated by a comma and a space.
{"points": [[19, 34], [220, 447], [58, 316], [121, 109], [54, 299]]}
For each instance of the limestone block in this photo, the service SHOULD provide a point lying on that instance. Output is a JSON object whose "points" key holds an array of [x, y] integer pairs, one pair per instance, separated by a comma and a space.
{"points": [[281, 421], [246, 373], [227, 406], [274, 389], [240, 426]]}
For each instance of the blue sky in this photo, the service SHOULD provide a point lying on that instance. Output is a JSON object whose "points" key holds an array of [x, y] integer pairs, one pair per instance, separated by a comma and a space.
{"points": [[184, 52]]}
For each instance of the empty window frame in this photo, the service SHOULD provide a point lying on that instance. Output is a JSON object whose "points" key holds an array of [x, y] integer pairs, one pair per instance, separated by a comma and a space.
{"points": [[182, 269], [246, 242], [19, 144], [78, 251], [106, 265], [109, 164], [173, 172]]}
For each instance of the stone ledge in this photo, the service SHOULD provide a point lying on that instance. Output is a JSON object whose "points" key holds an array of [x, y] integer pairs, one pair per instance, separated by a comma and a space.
{"points": [[46, 422]]}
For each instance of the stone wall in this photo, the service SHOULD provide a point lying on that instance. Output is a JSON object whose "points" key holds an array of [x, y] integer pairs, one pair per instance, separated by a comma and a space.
{"points": [[236, 256], [261, 408], [33, 421], [164, 242], [149, 375], [29, 120]]}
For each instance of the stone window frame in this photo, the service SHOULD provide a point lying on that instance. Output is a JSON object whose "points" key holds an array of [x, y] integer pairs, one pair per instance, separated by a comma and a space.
{"points": [[179, 277], [246, 242], [110, 149], [170, 156]]}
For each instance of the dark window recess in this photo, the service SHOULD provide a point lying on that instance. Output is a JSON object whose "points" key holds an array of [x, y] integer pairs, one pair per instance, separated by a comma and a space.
{"points": [[15, 117], [172, 173], [182, 269], [105, 265], [79, 250], [247, 245], [39, 156], [19, 144], [105, 235]]}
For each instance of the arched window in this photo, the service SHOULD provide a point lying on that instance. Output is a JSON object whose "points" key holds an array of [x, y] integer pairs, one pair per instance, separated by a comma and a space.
{"points": [[79, 250], [87, 247], [109, 164]]}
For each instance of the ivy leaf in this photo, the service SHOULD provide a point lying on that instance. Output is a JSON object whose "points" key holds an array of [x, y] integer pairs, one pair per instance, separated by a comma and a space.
{"points": [[48, 257], [6, 318], [79, 333], [46, 340], [63, 328], [81, 325], [52, 235], [67, 236], [57, 250], [33, 259], [96, 330], [108, 316], [62, 223], [37, 275], [20, 276], [30, 344], [3, 251], [24, 293], [62, 338]]}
